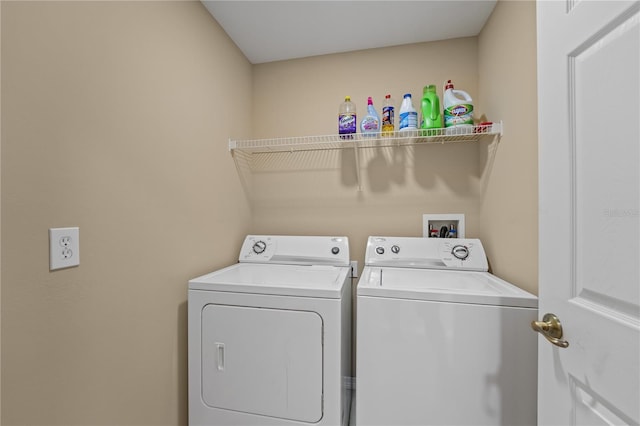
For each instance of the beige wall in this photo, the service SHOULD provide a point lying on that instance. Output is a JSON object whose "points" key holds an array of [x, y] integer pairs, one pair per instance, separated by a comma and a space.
{"points": [[115, 118], [508, 91], [316, 192]]}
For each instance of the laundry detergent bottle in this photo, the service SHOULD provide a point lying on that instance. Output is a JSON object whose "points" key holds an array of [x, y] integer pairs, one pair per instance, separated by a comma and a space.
{"points": [[430, 110], [458, 110]]}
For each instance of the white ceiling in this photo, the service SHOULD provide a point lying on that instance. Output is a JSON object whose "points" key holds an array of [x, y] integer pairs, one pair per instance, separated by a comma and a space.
{"points": [[268, 31]]}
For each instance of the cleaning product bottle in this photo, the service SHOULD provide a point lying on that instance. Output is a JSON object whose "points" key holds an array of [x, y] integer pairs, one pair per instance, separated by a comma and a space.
{"points": [[347, 119], [430, 110], [370, 124], [458, 110], [388, 116], [408, 114]]}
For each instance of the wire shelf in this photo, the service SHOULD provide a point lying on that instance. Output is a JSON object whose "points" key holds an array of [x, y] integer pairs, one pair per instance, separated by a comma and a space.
{"points": [[358, 140], [247, 153]]}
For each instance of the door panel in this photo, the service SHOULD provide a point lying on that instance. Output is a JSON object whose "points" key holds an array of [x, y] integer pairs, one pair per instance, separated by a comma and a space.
{"points": [[262, 361], [605, 79], [589, 137]]}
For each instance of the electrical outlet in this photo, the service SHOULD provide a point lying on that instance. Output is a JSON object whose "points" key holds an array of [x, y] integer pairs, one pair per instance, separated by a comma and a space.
{"points": [[354, 269], [64, 248]]}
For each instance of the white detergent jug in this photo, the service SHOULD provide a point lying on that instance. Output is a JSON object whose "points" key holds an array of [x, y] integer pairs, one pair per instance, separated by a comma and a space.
{"points": [[458, 110]]}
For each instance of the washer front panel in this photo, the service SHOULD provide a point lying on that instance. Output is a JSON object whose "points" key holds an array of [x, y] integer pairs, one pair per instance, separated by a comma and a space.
{"points": [[435, 363]]}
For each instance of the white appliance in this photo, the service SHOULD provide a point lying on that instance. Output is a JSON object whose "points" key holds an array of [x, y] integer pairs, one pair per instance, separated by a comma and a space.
{"points": [[440, 341], [270, 336]]}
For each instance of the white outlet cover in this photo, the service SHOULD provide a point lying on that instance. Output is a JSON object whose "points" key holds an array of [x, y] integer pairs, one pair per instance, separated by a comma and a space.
{"points": [[64, 248]]}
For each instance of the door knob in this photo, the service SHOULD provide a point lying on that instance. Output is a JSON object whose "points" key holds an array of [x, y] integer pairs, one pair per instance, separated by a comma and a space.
{"points": [[551, 329]]}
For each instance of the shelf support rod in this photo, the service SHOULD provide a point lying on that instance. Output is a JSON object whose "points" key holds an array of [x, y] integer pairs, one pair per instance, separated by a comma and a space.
{"points": [[357, 156]]}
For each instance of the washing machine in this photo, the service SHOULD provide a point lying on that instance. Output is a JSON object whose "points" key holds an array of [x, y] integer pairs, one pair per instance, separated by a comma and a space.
{"points": [[269, 337], [441, 341]]}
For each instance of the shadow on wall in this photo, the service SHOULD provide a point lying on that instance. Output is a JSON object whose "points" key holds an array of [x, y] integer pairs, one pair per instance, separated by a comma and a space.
{"points": [[387, 166], [458, 169], [461, 168]]}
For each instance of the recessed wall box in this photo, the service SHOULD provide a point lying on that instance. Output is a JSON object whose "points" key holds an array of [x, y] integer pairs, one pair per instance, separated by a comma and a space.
{"points": [[433, 225]]}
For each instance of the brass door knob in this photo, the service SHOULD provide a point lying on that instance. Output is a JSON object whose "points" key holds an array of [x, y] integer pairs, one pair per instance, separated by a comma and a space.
{"points": [[551, 329]]}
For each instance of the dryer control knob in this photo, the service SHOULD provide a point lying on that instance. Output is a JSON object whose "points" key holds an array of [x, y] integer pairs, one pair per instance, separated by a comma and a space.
{"points": [[259, 247], [395, 249], [460, 252], [380, 250], [335, 250]]}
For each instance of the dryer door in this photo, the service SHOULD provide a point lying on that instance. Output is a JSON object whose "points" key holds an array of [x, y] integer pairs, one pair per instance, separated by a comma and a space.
{"points": [[262, 361]]}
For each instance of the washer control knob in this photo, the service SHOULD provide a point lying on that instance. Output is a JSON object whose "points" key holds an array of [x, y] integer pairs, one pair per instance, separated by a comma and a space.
{"points": [[460, 252], [395, 249], [259, 247], [335, 250], [380, 250]]}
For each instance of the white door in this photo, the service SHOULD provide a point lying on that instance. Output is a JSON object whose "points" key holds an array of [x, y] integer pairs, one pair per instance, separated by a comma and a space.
{"points": [[589, 135]]}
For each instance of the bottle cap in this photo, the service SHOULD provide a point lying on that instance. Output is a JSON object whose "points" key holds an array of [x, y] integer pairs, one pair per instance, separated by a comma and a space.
{"points": [[369, 101], [347, 98], [448, 85], [407, 95], [387, 97]]}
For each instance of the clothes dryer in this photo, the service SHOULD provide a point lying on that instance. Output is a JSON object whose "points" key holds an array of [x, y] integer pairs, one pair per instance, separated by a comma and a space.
{"points": [[269, 337], [440, 341]]}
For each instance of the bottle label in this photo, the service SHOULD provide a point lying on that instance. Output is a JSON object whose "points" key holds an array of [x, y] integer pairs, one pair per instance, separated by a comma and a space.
{"points": [[408, 120], [369, 124], [457, 115], [346, 123], [387, 115]]}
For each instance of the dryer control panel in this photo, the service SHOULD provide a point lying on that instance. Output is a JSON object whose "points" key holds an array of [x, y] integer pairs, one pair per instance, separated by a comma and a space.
{"points": [[295, 250], [431, 253]]}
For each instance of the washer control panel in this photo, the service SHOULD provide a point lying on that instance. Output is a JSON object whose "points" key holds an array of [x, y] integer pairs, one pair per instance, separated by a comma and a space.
{"points": [[259, 247], [455, 253], [298, 250]]}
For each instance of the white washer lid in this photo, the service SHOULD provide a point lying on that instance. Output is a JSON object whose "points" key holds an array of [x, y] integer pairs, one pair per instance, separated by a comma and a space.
{"points": [[287, 280], [480, 288]]}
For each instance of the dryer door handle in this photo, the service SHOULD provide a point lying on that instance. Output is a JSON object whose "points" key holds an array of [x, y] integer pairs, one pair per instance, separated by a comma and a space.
{"points": [[220, 356]]}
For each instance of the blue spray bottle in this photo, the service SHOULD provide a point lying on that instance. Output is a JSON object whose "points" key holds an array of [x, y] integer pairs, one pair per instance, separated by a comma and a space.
{"points": [[370, 124]]}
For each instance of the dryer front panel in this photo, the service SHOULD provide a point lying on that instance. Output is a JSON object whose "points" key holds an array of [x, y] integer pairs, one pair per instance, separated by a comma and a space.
{"points": [[262, 361]]}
